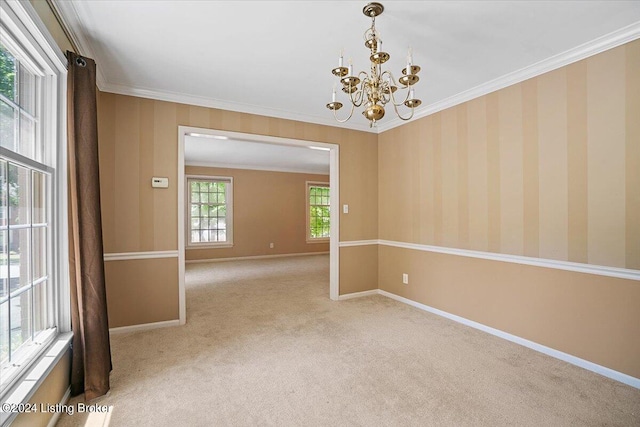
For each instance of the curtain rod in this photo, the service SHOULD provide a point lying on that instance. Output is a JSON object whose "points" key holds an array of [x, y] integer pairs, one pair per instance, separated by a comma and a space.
{"points": [[63, 26]]}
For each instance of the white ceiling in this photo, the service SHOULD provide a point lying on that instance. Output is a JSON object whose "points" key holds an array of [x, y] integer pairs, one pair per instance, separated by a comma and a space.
{"points": [[233, 153], [274, 57]]}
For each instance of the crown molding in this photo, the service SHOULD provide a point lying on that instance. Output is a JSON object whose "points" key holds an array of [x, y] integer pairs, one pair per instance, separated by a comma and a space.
{"points": [[601, 44], [67, 13], [201, 101], [70, 19]]}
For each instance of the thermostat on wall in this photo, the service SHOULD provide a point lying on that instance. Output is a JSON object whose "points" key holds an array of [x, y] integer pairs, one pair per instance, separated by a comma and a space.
{"points": [[157, 182]]}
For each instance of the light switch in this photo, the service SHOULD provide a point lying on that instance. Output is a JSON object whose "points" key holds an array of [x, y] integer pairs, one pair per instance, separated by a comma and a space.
{"points": [[345, 208], [159, 182]]}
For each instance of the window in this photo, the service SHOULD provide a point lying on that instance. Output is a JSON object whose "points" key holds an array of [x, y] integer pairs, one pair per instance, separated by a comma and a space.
{"points": [[32, 197], [210, 211], [318, 225], [25, 218]]}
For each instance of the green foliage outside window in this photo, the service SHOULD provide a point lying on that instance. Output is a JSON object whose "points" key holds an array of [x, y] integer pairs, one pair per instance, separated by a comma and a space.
{"points": [[319, 220], [8, 89], [7, 74]]}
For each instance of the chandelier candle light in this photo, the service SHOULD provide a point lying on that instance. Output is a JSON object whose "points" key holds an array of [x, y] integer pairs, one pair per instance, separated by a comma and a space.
{"points": [[378, 88]]}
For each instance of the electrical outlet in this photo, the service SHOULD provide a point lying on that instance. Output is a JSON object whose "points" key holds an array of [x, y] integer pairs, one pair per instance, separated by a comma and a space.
{"points": [[271, 245], [345, 209], [405, 278]]}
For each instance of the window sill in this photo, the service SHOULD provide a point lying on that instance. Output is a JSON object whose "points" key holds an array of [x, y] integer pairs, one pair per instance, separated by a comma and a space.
{"points": [[318, 240], [210, 246], [26, 387]]}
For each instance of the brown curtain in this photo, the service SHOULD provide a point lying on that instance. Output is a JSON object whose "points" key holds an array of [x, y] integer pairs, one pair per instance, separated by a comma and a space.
{"points": [[91, 362]]}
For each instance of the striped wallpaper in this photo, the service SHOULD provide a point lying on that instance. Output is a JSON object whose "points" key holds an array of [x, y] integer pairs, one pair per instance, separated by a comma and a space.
{"points": [[547, 168]]}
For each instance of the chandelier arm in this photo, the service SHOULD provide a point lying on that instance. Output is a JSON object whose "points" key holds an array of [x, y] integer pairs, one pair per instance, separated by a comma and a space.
{"points": [[357, 102], [405, 99], [359, 94], [392, 96], [395, 107], [385, 98], [360, 98], [347, 119], [388, 73]]}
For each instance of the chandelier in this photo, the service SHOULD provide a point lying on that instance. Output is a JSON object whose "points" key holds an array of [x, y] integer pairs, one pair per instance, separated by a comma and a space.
{"points": [[376, 89]]}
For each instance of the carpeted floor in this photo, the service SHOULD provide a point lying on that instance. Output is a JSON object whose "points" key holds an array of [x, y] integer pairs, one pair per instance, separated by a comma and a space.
{"points": [[264, 345]]}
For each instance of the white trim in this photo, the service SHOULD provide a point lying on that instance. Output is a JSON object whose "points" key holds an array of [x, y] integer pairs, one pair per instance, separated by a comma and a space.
{"points": [[37, 374], [242, 258], [182, 206], [144, 326], [359, 294], [43, 37], [334, 214], [578, 53], [56, 415], [200, 101], [351, 243], [585, 364], [599, 270], [123, 256], [255, 168]]}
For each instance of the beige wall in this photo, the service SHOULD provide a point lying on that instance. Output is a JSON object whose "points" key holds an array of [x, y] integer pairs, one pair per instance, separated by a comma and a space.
{"points": [[138, 139], [268, 207], [358, 269], [141, 291], [548, 168], [50, 392]]}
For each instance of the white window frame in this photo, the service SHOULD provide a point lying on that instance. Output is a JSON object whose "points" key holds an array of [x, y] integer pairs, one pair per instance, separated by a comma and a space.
{"points": [[308, 185], [26, 35], [229, 221]]}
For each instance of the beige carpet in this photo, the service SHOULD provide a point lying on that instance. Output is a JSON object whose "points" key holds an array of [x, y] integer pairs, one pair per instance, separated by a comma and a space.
{"points": [[264, 345]]}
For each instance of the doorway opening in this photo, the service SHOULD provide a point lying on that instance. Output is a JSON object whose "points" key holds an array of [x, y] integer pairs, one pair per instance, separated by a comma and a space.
{"points": [[220, 235]]}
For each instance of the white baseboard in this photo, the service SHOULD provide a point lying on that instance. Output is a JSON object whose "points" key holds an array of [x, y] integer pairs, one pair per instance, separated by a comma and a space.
{"points": [[585, 364], [144, 327], [240, 258], [358, 294], [56, 415]]}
